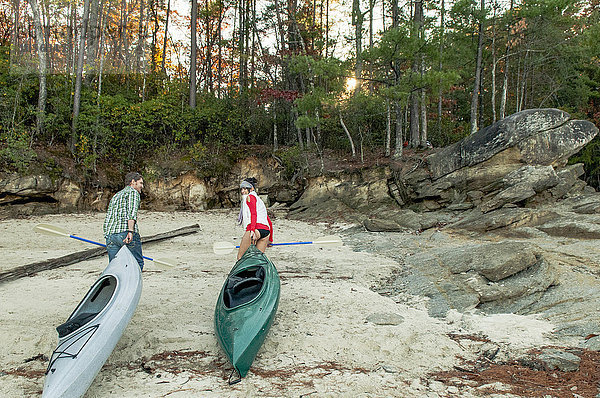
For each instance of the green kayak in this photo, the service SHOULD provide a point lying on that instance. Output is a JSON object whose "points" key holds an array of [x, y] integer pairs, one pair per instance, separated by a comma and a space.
{"points": [[246, 308]]}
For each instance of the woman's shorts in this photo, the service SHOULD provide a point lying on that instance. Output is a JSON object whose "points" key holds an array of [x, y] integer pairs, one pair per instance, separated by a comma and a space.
{"points": [[263, 233]]}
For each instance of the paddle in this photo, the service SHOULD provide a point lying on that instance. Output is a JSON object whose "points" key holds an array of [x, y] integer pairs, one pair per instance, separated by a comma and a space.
{"points": [[226, 247], [53, 230]]}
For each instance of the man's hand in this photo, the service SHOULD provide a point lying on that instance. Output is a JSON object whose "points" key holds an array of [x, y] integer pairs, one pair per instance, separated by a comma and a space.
{"points": [[128, 238]]}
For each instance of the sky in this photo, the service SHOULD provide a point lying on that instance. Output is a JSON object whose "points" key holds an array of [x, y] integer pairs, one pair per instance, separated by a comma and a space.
{"points": [[340, 28]]}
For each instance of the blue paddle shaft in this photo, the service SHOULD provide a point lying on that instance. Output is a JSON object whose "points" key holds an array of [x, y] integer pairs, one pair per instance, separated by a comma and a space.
{"points": [[87, 240], [99, 244]]}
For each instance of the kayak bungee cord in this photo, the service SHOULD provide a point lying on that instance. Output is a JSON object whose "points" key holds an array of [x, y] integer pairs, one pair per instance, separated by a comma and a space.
{"points": [[88, 331]]}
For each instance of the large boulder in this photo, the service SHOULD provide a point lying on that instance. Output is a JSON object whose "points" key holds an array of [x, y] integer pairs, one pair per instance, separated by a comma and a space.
{"points": [[520, 160], [14, 187], [493, 139], [183, 192]]}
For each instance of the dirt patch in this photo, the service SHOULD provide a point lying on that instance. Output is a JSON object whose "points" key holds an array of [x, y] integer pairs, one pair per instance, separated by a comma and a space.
{"points": [[528, 378]]}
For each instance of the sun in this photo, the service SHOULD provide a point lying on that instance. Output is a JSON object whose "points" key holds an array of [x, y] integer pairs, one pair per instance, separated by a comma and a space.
{"points": [[351, 84]]}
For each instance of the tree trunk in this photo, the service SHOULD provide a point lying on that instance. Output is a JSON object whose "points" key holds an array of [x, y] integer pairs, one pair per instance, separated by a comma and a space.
{"points": [[139, 48], [521, 98], [327, 29], [296, 42], [45, 18], [440, 66], [15, 42], [93, 34], [298, 130], [163, 67], [194, 21], [100, 69], [357, 21], [388, 129], [399, 136], [220, 51], [371, 9], [416, 67], [494, 61], [123, 38], [318, 138], [275, 138], [79, 73], [308, 134], [252, 40], [41, 50], [280, 37], [506, 67], [241, 45], [518, 85], [71, 39], [477, 83], [423, 141], [208, 55], [347, 134], [156, 28], [414, 119]]}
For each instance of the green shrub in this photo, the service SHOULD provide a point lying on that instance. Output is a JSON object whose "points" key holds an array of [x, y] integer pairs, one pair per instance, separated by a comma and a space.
{"points": [[15, 152], [293, 160]]}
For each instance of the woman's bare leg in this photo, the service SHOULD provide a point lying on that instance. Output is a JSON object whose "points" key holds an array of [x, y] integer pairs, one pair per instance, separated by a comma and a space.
{"points": [[244, 244], [263, 243]]}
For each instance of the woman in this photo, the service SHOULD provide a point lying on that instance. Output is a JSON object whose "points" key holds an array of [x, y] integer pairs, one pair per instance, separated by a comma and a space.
{"points": [[254, 218]]}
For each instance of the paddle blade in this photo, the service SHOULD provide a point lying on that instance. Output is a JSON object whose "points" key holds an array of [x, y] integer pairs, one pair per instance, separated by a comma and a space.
{"points": [[223, 247], [164, 263], [330, 240], [48, 229]]}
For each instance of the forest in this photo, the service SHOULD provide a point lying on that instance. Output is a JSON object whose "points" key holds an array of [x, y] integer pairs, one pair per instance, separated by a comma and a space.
{"points": [[134, 83]]}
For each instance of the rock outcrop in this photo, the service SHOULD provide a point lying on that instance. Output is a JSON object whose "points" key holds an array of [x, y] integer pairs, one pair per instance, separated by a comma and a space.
{"points": [[491, 275], [40, 194], [520, 159]]}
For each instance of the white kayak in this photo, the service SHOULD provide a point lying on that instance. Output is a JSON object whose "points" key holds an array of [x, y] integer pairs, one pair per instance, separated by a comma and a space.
{"points": [[88, 337]]}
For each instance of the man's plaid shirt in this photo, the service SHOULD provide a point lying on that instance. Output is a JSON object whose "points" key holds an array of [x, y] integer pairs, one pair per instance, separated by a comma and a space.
{"points": [[122, 207]]}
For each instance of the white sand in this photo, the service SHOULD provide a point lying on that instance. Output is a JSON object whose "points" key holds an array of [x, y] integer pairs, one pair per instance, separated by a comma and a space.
{"points": [[320, 345]]}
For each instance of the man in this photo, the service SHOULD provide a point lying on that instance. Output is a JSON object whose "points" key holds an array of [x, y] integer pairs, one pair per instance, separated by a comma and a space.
{"points": [[120, 225]]}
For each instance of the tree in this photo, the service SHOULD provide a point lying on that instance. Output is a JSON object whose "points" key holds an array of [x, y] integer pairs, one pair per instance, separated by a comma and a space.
{"points": [[41, 50], [193, 54], [416, 34], [79, 74], [441, 64], [478, 66], [357, 21]]}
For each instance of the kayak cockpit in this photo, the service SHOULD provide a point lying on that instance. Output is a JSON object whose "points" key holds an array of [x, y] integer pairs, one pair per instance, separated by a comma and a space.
{"points": [[93, 303], [243, 287]]}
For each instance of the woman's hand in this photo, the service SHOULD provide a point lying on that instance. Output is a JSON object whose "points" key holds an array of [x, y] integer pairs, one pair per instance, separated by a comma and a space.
{"points": [[254, 236]]}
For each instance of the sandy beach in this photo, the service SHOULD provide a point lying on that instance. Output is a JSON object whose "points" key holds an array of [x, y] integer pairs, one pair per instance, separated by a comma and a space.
{"points": [[333, 335]]}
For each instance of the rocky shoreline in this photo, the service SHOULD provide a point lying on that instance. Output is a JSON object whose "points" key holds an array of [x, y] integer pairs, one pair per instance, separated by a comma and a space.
{"points": [[361, 319]]}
